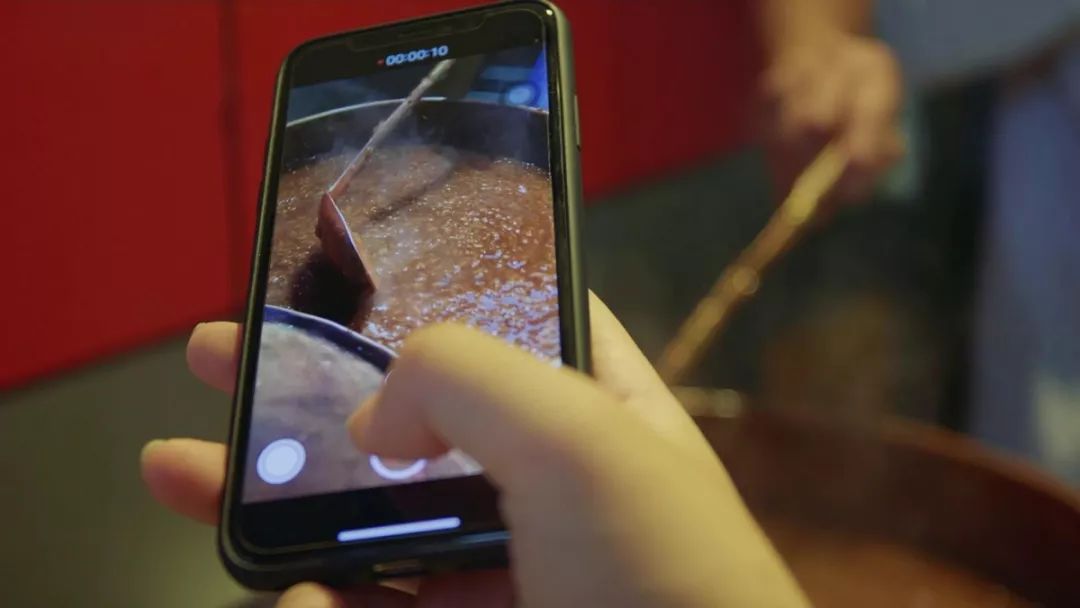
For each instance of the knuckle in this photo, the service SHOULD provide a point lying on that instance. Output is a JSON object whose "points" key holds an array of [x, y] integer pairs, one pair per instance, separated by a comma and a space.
{"points": [[882, 58]]}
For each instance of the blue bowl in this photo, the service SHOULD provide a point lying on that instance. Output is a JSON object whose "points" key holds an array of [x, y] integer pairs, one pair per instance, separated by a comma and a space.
{"points": [[345, 338]]}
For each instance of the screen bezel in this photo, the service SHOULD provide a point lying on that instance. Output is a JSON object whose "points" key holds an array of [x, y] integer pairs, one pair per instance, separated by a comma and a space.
{"points": [[470, 496]]}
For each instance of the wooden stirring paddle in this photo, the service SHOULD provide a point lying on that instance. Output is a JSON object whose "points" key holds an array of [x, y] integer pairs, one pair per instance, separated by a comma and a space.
{"points": [[338, 242], [740, 280]]}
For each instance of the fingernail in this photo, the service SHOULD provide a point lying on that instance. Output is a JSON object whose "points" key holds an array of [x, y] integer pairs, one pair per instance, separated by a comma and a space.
{"points": [[150, 445], [307, 595]]}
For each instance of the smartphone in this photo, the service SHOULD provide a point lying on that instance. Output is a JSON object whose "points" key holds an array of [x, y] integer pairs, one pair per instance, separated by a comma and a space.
{"points": [[441, 156]]}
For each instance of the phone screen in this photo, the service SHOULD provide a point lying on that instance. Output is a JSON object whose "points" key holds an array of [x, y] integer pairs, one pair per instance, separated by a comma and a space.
{"points": [[448, 217]]}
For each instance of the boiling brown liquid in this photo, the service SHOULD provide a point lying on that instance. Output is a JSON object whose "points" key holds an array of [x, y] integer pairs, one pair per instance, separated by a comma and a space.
{"points": [[448, 236]]}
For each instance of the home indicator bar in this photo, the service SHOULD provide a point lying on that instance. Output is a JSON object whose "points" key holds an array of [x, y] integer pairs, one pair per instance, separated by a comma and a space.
{"points": [[413, 527]]}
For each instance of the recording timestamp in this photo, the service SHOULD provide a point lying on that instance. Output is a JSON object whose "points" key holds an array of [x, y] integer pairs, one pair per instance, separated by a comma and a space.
{"points": [[415, 55]]}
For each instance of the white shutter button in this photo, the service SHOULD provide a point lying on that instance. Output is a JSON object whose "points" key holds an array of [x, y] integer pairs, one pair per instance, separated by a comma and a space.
{"points": [[281, 461], [396, 473]]}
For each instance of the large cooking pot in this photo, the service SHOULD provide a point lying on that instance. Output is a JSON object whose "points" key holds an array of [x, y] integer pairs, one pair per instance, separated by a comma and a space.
{"points": [[898, 514], [495, 130]]}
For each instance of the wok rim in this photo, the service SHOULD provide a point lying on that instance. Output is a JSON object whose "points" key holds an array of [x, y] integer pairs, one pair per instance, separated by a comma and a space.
{"points": [[311, 118]]}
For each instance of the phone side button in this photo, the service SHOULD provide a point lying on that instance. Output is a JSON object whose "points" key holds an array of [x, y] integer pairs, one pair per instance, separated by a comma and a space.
{"points": [[404, 567], [577, 122]]}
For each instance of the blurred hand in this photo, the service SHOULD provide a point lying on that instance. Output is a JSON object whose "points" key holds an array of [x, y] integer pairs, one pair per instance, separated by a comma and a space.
{"points": [[837, 87], [612, 496]]}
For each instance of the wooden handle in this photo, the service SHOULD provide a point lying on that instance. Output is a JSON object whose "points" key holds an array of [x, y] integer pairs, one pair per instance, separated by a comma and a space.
{"points": [[387, 126], [740, 280]]}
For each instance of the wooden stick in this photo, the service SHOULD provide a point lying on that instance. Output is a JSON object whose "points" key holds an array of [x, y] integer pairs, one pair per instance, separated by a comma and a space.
{"points": [[740, 280], [387, 126], [346, 252]]}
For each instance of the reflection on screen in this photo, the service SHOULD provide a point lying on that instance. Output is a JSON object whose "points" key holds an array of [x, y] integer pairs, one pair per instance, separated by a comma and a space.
{"points": [[452, 219]]}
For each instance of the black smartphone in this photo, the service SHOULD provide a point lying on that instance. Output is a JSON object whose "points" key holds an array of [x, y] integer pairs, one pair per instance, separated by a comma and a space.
{"points": [[420, 172]]}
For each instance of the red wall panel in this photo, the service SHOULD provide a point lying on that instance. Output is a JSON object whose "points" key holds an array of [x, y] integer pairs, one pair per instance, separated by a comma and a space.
{"points": [[113, 229], [134, 134], [661, 84]]}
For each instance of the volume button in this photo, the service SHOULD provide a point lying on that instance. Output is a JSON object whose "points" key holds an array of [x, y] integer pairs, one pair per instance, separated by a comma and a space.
{"points": [[577, 122]]}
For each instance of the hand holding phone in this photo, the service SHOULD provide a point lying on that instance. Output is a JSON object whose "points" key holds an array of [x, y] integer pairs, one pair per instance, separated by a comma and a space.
{"points": [[612, 495]]}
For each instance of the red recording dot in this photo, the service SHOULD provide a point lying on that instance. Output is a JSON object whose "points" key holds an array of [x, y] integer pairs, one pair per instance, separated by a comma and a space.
{"points": [[381, 61]]}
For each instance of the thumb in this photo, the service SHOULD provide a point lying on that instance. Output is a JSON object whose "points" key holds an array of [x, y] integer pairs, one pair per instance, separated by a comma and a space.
{"points": [[453, 386]]}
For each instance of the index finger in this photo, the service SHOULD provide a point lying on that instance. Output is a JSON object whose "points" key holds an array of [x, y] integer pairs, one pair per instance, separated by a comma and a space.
{"points": [[516, 415]]}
